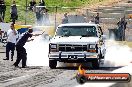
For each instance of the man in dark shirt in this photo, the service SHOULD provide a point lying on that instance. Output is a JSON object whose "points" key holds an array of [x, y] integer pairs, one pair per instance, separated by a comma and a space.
{"points": [[14, 12], [42, 3], [1, 35], [97, 19], [32, 4], [121, 28], [65, 19], [21, 51], [2, 10]]}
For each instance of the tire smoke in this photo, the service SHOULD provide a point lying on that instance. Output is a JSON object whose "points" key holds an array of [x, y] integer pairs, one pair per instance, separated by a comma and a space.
{"points": [[117, 54], [37, 52]]}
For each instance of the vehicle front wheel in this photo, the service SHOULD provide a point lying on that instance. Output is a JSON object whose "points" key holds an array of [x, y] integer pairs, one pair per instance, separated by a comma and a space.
{"points": [[95, 64], [52, 64], [81, 79]]}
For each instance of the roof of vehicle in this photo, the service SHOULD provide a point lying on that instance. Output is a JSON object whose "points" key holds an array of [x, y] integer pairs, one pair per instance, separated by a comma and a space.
{"points": [[78, 24]]}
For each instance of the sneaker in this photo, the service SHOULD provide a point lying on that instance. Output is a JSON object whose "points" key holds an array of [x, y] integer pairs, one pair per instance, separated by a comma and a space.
{"points": [[25, 67], [6, 59], [11, 59], [15, 65]]}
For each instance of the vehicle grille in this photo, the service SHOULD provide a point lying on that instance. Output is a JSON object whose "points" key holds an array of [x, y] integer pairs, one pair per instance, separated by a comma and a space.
{"points": [[66, 48]]}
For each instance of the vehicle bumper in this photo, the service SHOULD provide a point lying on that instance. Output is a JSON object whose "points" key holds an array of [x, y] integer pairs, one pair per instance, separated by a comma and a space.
{"points": [[73, 56]]}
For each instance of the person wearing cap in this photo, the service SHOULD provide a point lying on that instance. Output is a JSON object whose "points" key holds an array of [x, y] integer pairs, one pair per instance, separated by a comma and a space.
{"points": [[65, 19], [97, 19], [21, 51], [11, 41]]}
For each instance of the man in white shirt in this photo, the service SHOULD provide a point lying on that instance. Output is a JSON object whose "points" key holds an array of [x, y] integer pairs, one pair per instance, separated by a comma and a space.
{"points": [[11, 41]]}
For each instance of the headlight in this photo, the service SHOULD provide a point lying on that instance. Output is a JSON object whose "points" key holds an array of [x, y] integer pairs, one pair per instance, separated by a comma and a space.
{"points": [[92, 46], [53, 46]]}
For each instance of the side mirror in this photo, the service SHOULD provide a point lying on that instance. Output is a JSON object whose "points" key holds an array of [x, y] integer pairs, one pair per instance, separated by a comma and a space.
{"points": [[104, 37]]}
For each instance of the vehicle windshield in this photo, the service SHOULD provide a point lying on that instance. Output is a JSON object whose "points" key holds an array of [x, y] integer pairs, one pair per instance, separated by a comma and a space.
{"points": [[84, 31]]}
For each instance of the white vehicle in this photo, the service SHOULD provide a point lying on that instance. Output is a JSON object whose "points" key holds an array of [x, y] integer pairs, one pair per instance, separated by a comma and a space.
{"points": [[77, 43]]}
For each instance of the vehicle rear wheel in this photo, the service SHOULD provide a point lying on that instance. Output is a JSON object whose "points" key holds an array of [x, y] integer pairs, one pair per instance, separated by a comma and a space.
{"points": [[81, 79], [52, 64], [95, 64]]}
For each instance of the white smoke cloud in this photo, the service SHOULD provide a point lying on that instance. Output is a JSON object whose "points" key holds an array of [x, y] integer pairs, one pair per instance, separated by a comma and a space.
{"points": [[37, 52], [117, 55]]}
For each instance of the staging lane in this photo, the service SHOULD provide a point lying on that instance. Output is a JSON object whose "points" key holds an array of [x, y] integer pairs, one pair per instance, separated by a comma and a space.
{"points": [[40, 76], [43, 76]]}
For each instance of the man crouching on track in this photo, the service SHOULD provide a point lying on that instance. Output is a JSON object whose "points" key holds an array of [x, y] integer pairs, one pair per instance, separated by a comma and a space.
{"points": [[21, 51]]}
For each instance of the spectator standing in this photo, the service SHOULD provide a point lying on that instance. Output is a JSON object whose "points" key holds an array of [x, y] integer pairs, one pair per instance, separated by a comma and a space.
{"points": [[0, 35], [121, 28], [21, 51], [124, 22], [11, 40], [38, 15], [32, 4], [39, 10], [97, 19], [65, 19], [13, 11], [46, 17], [2, 10], [42, 3]]}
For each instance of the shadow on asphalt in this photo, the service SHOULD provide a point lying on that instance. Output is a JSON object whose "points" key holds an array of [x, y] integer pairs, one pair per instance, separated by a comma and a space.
{"points": [[2, 52], [89, 68]]}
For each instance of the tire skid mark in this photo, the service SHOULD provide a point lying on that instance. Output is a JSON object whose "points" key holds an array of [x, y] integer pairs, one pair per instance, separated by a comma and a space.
{"points": [[33, 79], [62, 80]]}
